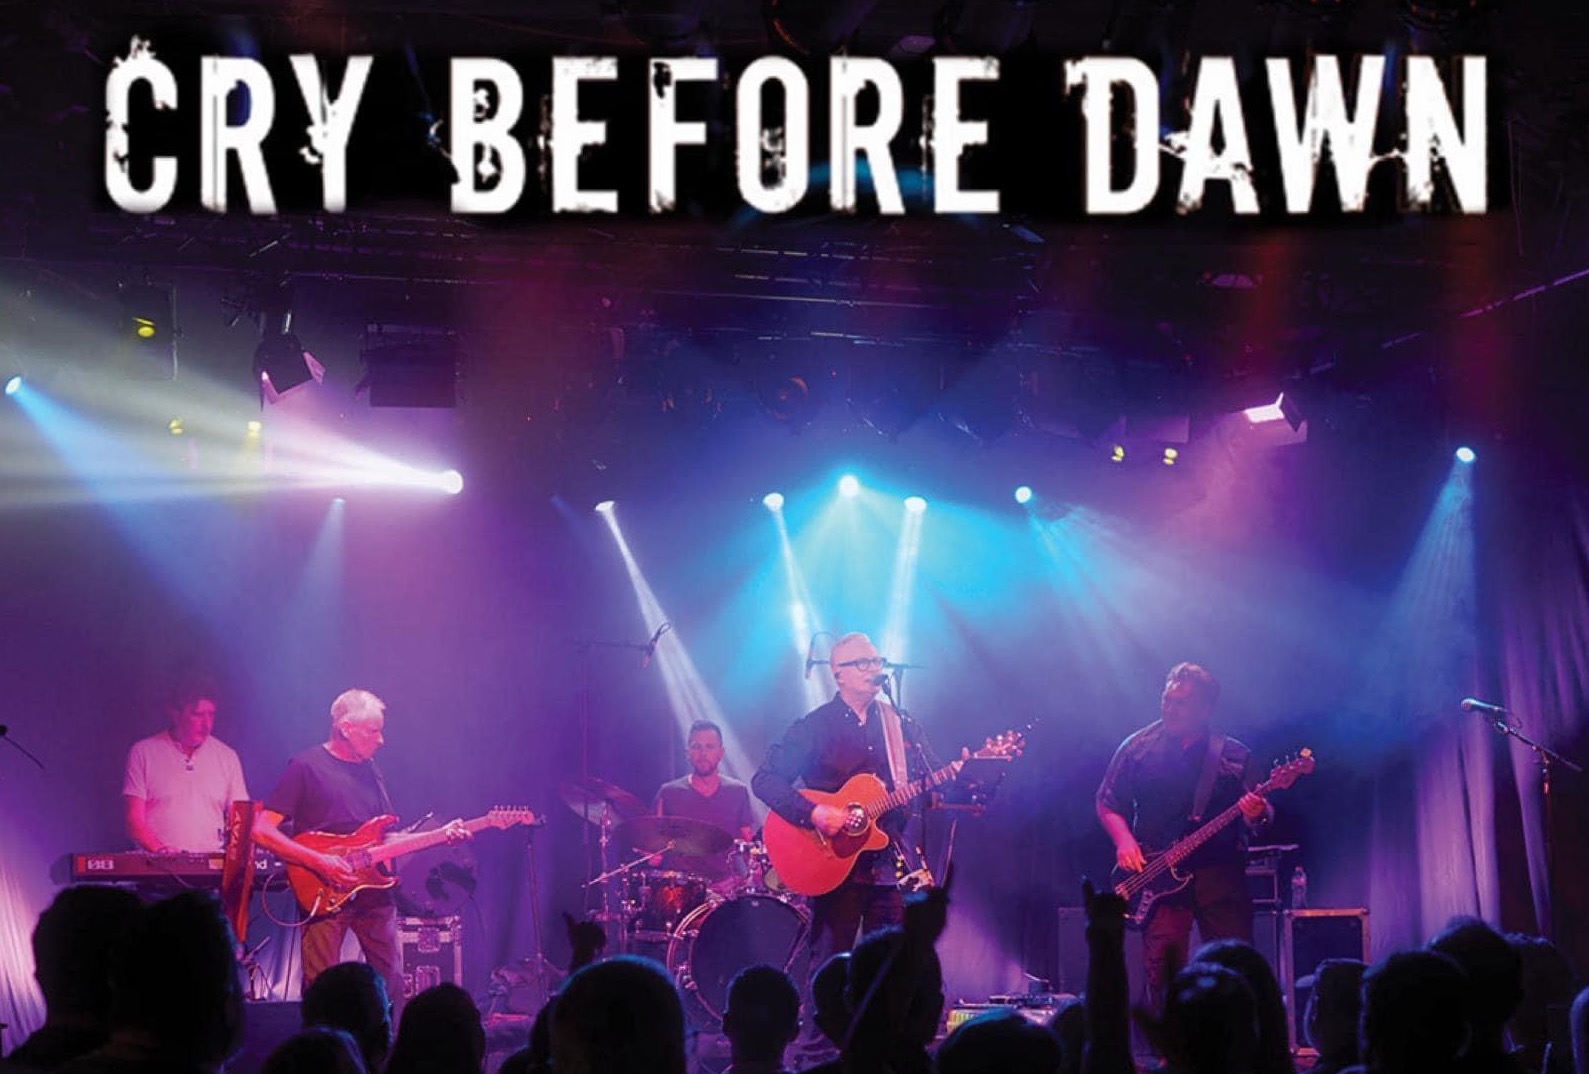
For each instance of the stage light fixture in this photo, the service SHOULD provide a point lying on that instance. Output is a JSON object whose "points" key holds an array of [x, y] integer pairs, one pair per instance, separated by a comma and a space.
{"points": [[1274, 411], [175, 426], [605, 507], [255, 428], [451, 482], [915, 504], [1466, 454], [849, 486], [1117, 453], [1023, 494], [14, 384], [146, 332], [773, 501], [1171, 455], [283, 366]]}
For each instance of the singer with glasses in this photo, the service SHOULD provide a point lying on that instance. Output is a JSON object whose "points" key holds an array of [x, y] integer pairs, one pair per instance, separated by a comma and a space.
{"points": [[857, 731]]}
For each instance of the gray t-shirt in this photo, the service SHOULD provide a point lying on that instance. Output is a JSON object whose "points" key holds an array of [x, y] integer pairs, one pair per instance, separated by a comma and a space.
{"points": [[728, 809]]}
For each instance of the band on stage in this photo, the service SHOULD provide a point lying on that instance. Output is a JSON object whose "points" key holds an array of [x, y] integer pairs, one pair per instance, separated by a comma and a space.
{"points": [[704, 888]]}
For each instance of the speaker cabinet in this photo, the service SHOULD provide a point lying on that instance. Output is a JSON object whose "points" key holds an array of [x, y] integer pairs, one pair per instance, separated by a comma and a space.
{"points": [[265, 1025], [1308, 937]]}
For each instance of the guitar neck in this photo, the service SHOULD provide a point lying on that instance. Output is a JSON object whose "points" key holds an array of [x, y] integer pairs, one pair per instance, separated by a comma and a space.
{"points": [[398, 845], [901, 795], [1179, 852]]}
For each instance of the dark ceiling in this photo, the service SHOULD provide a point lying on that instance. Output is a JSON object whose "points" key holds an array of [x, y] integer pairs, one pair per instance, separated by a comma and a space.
{"points": [[1198, 305]]}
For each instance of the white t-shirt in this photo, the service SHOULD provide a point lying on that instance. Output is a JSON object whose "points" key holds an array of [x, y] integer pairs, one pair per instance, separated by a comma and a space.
{"points": [[185, 799]]}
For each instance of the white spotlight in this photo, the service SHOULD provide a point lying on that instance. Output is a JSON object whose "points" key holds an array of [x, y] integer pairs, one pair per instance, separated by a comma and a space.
{"points": [[1465, 454], [915, 504], [14, 384], [451, 482], [849, 485], [605, 507], [773, 501]]}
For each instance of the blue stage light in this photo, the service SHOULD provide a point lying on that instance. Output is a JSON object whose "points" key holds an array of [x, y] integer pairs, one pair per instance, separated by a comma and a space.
{"points": [[1023, 494], [1465, 454], [14, 385], [915, 504], [773, 501], [849, 485]]}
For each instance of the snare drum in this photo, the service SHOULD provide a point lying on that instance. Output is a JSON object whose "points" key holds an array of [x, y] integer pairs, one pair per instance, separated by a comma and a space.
{"points": [[720, 938], [660, 899]]}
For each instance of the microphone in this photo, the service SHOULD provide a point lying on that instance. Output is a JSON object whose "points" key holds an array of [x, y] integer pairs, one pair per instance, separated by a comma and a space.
{"points": [[888, 688], [811, 650], [651, 646], [1473, 704]]}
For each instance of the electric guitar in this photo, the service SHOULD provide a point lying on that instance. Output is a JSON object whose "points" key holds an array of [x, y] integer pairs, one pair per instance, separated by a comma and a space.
{"points": [[369, 849], [810, 863], [1160, 878]]}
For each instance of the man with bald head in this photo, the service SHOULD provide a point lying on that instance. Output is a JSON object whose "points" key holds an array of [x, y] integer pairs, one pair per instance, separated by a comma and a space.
{"points": [[855, 732]]}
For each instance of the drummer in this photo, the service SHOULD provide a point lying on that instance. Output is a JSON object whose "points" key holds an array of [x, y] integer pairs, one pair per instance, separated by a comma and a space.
{"points": [[709, 796]]}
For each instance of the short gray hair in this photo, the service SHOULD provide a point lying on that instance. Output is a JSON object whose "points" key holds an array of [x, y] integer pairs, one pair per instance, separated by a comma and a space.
{"points": [[354, 705]]}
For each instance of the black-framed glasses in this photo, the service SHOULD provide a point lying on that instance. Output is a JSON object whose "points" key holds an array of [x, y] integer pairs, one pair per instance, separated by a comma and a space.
{"points": [[865, 663]]}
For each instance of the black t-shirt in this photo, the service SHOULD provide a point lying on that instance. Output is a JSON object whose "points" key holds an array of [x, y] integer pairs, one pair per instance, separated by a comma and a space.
{"points": [[823, 749], [1152, 782], [319, 793]]}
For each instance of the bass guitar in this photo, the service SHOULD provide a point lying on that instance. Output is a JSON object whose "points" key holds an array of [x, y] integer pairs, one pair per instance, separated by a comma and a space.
{"points": [[810, 863], [1161, 876], [369, 849]]}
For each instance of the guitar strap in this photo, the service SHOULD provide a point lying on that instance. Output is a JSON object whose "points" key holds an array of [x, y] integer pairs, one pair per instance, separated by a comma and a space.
{"points": [[894, 743], [386, 799], [1205, 782]]}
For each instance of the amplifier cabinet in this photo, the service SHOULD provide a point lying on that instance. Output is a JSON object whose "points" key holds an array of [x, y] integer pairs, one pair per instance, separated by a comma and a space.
{"points": [[1308, 937], [432, 952]]}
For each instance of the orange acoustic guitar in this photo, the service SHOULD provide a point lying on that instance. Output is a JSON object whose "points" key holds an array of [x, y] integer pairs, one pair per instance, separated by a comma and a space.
{"points": [[810, 863], [369, 849]]}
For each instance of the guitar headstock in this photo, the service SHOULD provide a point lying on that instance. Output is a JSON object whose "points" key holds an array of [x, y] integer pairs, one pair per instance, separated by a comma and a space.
{"points": [[1289, 771], [1006, 746], [508, 816]]}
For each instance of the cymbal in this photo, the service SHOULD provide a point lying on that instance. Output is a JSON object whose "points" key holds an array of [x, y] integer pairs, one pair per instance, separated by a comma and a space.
{"points": [[687, 836], [591, 797]]}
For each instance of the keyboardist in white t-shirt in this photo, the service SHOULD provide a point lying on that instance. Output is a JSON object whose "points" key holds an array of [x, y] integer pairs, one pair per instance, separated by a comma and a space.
{"points": [[181, 781]]}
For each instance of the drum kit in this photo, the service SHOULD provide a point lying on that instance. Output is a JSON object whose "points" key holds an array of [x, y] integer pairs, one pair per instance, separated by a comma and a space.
{"points": [[704, 930]]}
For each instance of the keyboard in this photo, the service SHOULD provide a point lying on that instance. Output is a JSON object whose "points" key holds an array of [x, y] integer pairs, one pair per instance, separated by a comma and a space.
{"points": [[195, 870]]}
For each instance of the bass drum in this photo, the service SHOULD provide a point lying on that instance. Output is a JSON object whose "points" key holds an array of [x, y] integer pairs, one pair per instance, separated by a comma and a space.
{"points": [[718, 939]]}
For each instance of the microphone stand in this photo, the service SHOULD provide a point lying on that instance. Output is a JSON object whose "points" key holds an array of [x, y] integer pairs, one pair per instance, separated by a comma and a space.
{"points": [[5, 733], [1546, 757], [583, 648]]}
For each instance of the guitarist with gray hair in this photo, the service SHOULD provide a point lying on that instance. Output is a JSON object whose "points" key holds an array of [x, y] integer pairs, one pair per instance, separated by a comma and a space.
{"points": [[335, 789], [1164, 781]]}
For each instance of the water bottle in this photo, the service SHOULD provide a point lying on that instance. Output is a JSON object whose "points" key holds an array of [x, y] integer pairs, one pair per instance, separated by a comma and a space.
{"points": [[1299, 888]]}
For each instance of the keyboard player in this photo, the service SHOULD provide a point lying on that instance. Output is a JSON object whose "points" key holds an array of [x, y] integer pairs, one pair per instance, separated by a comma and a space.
{"points": [[180, 782]]}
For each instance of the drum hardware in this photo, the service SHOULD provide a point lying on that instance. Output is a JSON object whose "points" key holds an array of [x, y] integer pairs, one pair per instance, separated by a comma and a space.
{"points": [[681, 834]]}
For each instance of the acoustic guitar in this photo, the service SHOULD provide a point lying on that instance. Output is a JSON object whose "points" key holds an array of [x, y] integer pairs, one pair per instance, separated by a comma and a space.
{"points": [[810, 863], [369, 849]]}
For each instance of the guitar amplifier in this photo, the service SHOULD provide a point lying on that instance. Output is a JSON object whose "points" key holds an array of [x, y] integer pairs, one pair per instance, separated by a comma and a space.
{"points": [[432, 952]]}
